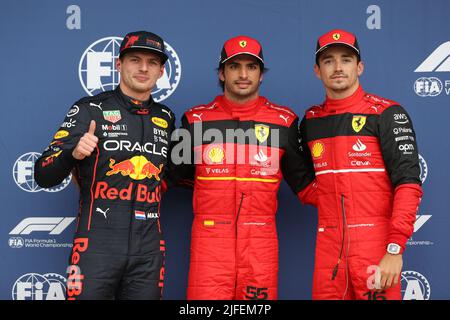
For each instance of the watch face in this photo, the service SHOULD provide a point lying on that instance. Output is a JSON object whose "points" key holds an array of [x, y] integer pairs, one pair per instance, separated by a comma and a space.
{"points": [[393, 248]]}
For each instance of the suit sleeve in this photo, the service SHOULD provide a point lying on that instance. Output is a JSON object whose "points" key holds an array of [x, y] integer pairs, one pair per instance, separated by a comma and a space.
{"points": [[56, 162], [297, 166], [400, 153]]}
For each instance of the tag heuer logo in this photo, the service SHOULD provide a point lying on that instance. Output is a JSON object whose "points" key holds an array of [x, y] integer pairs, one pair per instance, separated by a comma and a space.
{"points": [[243, 43], [112, 116]]}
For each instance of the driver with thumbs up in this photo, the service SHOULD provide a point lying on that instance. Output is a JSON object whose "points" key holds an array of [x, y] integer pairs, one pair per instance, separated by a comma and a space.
{"points": [[117, 145]]}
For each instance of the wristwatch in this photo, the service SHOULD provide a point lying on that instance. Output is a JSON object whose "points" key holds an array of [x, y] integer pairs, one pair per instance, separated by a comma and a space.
{"points": [[393, 248]]}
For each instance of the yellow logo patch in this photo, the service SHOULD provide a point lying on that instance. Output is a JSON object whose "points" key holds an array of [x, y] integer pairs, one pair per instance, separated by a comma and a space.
{"points": [[318, 149], [208, 223], [358, 123], [336, 36], [243, 43], [216, 155], [261, 132], [61, 134], [160, 122]]}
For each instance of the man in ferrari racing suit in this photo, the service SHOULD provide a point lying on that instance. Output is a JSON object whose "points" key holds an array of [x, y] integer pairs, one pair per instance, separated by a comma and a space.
{"points": [[117, 143], [234, 244], [366, 161]]}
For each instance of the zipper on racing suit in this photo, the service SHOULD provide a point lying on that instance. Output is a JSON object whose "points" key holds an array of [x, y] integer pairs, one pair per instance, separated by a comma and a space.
{"points": [[336, 268], [236, 239]]}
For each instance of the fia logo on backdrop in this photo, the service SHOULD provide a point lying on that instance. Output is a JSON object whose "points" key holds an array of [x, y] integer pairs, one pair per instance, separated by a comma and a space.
{"points": [[97, 69], [35, 286], [23, 174], [415, 286]]}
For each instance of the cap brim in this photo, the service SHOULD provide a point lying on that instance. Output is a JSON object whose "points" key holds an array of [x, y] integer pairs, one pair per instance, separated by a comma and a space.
{"points": [[161, 54], [337, 43], [237, 54]]}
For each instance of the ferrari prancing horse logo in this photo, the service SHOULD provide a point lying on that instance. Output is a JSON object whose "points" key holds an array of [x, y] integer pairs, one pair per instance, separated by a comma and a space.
{"points": [[261, 132], [358, 123], [243, 43]]}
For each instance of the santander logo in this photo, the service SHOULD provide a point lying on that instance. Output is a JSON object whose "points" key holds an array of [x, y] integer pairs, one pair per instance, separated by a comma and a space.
{"points": [[359, 146]]}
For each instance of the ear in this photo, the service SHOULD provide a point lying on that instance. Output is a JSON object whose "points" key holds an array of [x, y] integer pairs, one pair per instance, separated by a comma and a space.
{"points": [[221, 75], [317, 71], [118, 64], [360, 68], [161, 72]]}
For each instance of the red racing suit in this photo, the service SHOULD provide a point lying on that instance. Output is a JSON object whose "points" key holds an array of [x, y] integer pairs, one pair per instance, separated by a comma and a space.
{"points": [[366, 162], [234, 244]]}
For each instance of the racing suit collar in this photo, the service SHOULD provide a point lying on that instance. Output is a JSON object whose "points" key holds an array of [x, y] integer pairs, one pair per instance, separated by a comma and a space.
{"points": [[236, 109], [133, 105], [346, 103]]}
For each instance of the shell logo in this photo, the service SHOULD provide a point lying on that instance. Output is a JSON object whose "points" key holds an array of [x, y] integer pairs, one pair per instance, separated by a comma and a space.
{"points": [[216, 155], [61, 134], [318, 149], [160, 122]]}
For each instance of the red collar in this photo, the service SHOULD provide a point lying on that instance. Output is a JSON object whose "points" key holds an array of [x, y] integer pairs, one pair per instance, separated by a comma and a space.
{"points": [[236, 109], [346, 103]]}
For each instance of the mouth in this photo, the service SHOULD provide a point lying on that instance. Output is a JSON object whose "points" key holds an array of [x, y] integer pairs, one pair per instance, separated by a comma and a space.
{"points": [[339, 77], [141, 78], [243, 84]]}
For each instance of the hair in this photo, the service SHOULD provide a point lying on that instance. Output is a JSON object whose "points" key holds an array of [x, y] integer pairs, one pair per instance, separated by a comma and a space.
{"points": [[221, 66]]}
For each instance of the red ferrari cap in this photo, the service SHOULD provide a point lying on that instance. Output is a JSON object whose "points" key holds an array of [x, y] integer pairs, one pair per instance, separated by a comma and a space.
{"points": [[241, 45], [337, 36]]}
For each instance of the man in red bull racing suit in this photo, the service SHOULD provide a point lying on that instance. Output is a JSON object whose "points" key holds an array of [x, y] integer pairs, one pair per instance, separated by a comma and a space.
{"points": [[367, 167], [234, 244], [117, 142]]}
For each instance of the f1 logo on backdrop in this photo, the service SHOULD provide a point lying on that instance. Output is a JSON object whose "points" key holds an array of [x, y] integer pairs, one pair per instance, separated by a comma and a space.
{"points": [[34, 286], [437, 61], [54, 225], [23, 174], [97, 69]]}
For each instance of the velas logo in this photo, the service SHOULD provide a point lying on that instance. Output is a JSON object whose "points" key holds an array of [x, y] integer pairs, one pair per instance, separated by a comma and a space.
{"points": [[318, 149], [336, 36], [23, 174], [137, 168], [97, 70]]}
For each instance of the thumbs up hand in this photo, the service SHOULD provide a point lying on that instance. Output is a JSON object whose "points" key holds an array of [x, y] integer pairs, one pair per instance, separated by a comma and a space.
{"points": [[87, 144]]}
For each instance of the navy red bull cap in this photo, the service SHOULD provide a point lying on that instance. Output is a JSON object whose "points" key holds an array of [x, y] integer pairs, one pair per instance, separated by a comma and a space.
{"points": [[144, 40], [335, 37], [241, 45]]}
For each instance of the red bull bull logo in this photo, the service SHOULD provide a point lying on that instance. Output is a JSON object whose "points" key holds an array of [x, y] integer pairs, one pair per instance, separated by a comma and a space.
{"points": [[137, 168]]}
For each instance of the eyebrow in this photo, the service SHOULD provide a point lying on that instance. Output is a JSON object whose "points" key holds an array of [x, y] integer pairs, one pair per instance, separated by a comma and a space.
{"points": [[330, 56]]}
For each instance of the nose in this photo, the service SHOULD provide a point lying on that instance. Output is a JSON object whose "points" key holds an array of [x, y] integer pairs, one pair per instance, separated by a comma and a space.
{"points": [[143, 66], [338, 65], [243, 74]]}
